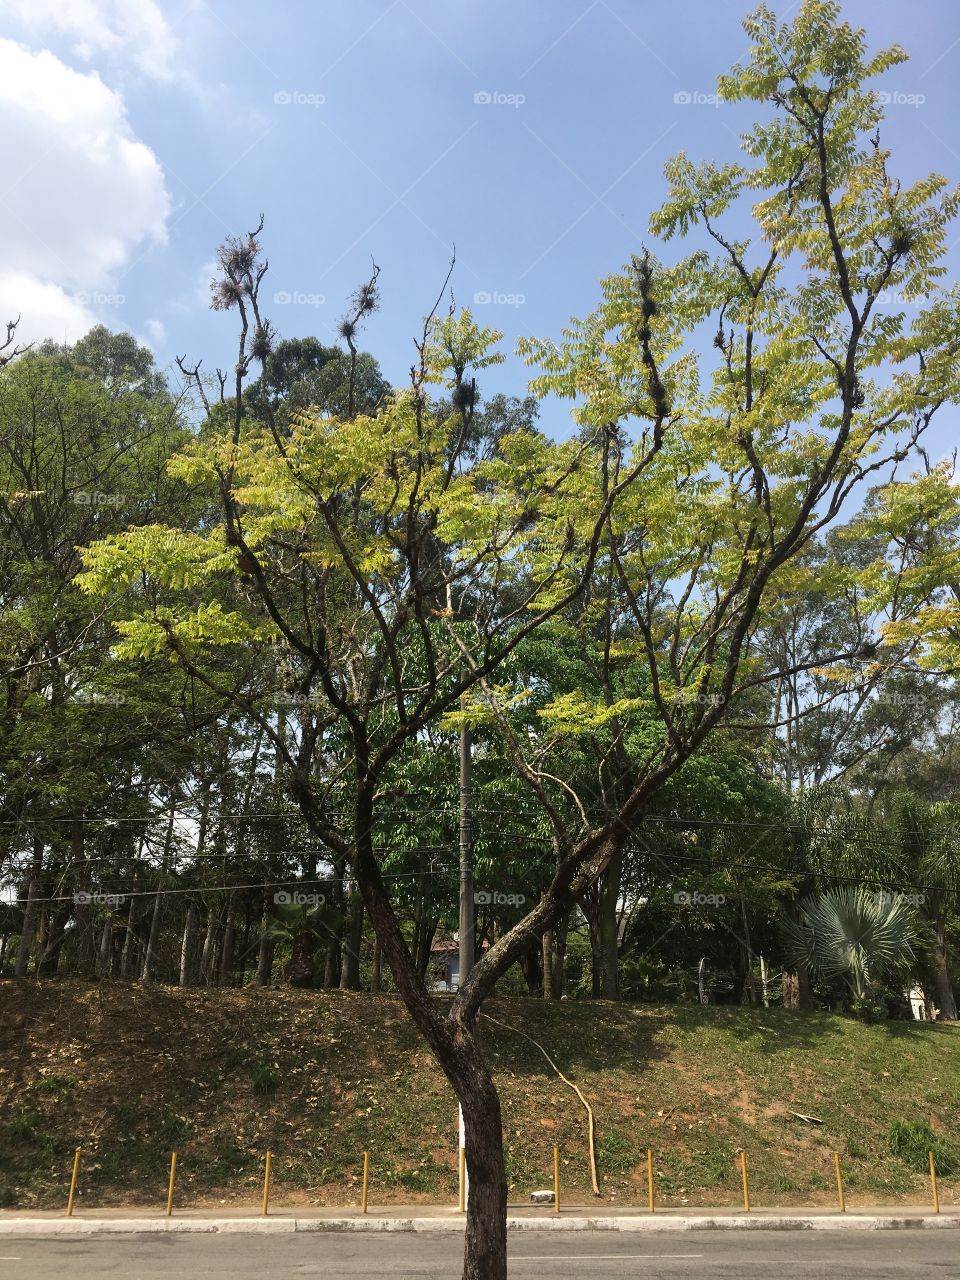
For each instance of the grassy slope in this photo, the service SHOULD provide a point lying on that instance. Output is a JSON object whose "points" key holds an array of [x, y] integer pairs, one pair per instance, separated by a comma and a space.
{"points": [[128, 1073]]}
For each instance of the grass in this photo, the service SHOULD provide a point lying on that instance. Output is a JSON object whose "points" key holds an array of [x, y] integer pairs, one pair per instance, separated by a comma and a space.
{"points": [[914, 1140], [130, 1073]]}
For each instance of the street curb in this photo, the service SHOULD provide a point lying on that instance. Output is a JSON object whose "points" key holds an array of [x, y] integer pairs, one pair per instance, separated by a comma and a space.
{"points": [[634, 1223]]}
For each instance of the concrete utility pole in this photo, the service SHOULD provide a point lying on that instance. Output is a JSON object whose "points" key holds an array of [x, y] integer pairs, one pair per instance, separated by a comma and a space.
{"points": [[466, 935]]}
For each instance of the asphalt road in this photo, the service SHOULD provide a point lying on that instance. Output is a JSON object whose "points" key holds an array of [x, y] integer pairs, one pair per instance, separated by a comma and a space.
{"points": [[787, 1255]]}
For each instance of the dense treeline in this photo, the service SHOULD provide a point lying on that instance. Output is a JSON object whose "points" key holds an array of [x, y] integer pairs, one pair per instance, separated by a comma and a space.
{"points": [[147, 832]]}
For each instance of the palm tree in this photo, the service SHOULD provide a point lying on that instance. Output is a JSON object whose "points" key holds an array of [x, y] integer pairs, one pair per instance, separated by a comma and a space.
{"points": [[854, 934]]}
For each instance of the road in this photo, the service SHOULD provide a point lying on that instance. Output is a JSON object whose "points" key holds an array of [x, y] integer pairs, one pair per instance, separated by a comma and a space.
{"points": [[700, 1255]]}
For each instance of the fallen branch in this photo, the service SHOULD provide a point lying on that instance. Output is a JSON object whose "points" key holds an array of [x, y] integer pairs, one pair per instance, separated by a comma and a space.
{"points": [[570, 1085]]}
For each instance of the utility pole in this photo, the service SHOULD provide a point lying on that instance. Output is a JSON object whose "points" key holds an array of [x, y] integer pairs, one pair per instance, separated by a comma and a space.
{"points": [[466, 935]]}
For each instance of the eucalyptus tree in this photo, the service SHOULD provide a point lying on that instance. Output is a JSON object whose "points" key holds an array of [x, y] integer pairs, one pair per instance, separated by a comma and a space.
{"points": [[393, 577]]}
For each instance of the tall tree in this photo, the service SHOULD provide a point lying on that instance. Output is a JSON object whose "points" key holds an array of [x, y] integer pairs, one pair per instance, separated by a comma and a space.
{"points": [[397, 576]]}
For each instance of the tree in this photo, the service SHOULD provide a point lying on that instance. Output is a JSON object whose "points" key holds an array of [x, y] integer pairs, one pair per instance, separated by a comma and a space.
{"points": [[859, 936], [397, 576]]}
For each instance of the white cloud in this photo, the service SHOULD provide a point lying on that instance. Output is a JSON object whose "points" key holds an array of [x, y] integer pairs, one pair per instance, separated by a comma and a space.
{"points": [[45, 310], [117, 30], [82, 195]]}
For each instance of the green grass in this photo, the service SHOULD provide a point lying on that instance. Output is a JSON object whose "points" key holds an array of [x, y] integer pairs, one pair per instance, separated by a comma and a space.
{"points": [[318, 1078], [914, 1140]]}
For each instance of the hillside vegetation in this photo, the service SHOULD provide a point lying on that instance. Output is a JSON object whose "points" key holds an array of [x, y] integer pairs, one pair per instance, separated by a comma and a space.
{"points": [[130, 1072]]}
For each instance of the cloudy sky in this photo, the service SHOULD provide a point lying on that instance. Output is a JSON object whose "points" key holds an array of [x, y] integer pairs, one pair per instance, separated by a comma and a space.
{"points": [[138, 133]]}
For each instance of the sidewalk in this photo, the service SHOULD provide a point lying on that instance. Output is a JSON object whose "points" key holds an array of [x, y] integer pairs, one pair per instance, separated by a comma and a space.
{"points": [[423, 1218]]}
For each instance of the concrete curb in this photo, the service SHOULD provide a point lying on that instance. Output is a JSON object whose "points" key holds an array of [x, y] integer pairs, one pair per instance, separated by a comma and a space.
{"points": [[634, 1223]]}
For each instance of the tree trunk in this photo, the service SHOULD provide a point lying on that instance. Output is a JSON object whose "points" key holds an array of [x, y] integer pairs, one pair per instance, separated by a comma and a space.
{"points": [[749, 987], [129, 954], [189, 946], [376, 982], [609, 929], [105, 963], [546, 943], [48, 960], [265, 952], [207, 954], [560, 943], [146, 973], [331, 964], [229, 938], [791, 991], [27, 930], [804, 994], [946, 1001], [530, 968], [353, 941], [485, 1239]]}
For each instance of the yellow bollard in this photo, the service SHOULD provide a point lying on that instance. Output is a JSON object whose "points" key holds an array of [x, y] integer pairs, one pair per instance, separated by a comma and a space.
{"points": [[173, 1174], [933, 1184], [840, 1197], [743, 1175], [266, 1184], [463, 1180], [366, 1179], [556, 1179], [73, 1182], [650, 1178]]}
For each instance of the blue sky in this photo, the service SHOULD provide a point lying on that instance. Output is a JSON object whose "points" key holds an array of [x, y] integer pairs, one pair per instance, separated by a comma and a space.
{"points": [[532, 136]]}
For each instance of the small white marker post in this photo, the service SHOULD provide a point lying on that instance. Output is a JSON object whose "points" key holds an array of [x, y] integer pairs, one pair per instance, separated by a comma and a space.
{"points": [[462, 1164]]}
